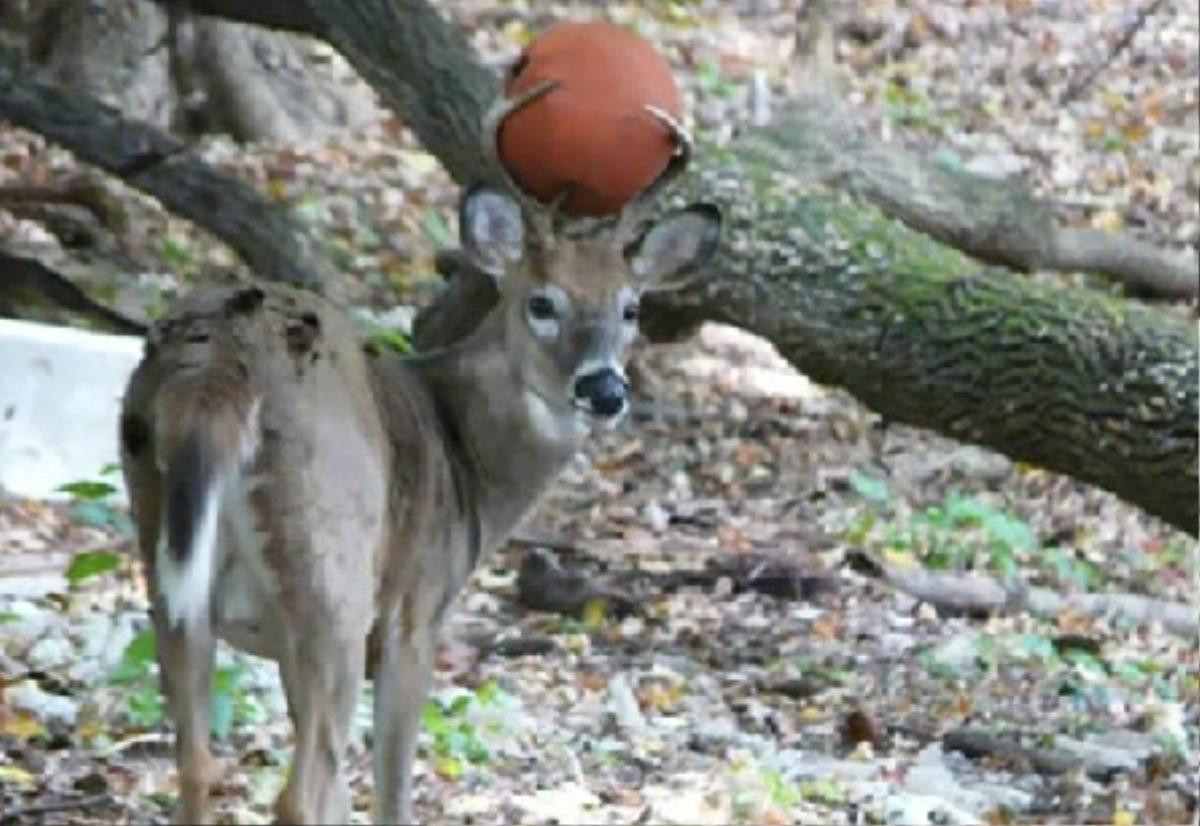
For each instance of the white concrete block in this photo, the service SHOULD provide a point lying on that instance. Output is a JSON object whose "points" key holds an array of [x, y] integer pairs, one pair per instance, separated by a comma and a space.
{"points": [[60, 398]]}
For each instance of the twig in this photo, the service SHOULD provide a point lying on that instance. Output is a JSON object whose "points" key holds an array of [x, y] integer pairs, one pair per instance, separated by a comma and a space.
{"points": [[976, 743], [17, 814], [1077, 87]]}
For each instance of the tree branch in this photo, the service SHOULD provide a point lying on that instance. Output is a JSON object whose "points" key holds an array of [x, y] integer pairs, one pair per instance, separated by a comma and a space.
{"points": [[998, 222], [294, 16], [266, 237], [975, 593], [26, 278]]}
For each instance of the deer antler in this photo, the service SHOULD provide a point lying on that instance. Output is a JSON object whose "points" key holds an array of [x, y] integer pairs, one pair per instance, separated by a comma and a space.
{"points": [[539, 216], [633, 212]]}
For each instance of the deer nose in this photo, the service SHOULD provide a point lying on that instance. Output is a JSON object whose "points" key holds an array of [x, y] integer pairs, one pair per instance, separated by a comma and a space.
{"points": [[603, 392]]}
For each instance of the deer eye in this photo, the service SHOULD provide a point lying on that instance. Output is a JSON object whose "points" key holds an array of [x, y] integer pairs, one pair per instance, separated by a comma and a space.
{"points": [[630, 313], [541, 308]]}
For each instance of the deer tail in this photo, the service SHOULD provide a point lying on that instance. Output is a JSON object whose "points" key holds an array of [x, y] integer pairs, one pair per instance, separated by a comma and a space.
{"points": [[209, 428]]}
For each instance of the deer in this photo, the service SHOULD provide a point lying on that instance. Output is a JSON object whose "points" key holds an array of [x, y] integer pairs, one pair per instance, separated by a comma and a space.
{"points": [[319, 502]]}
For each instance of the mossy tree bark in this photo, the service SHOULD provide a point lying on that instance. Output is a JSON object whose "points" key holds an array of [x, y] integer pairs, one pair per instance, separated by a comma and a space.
{"points": [[1094, 387]]}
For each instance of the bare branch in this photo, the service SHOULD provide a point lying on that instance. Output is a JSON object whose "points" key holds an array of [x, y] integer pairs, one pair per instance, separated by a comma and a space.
{"points": [[1079, 85], [271, 243], [975, 593]]}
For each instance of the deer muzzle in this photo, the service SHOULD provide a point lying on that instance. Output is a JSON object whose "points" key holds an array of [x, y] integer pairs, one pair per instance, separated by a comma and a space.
{"points": [[603, 393]]}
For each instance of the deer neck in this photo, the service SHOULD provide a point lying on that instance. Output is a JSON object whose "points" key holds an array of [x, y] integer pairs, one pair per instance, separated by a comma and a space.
{"points": [[512, 441]]}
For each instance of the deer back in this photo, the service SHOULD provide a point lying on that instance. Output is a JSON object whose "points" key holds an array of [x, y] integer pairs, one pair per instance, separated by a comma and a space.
{"points": [[273, 386]]}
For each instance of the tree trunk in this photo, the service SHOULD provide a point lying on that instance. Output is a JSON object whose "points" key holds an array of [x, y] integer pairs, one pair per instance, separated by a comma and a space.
{"points": [[1093, 387], [197, 75]]}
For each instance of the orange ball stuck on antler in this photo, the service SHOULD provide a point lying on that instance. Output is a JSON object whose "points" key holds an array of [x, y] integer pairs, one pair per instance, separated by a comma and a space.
{"points": [[589, 139]]}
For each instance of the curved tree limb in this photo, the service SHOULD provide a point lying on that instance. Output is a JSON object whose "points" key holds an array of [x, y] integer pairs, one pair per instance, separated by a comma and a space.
{"points": [[261, 232], [995, 221]]}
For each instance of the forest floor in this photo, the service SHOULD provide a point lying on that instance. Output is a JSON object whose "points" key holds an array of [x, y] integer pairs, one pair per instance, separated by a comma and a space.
{"points": [[733, 659]]}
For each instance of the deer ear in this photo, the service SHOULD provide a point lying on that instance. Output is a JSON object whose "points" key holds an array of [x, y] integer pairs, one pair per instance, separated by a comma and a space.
{"points": [[671, 252], [491, 229]]}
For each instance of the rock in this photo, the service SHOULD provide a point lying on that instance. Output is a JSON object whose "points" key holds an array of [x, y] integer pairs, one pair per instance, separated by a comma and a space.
{"points": [[61, 388], [998, 166], [909, 808], [25, 624], [28, 696], [959, 653], [624, 706], [50, 652], [976, 463]]}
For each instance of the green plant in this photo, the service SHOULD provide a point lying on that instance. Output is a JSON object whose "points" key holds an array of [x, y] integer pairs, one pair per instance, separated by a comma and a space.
{"points": [[868, 487], [781, 792], [712, 80], [136, 675], [232, 704], [389, 339], [90, 564], [90, 505], [457, 733], [912, 107]]}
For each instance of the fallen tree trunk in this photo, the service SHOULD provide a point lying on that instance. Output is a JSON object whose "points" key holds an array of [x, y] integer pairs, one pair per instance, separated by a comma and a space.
{"points": [[1096, 388], [978, 594]]}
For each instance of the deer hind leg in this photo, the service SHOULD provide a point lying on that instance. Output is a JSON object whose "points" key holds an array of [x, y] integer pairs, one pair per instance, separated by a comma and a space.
{"points": [[402, 679], [186, 654], [321, 678]]}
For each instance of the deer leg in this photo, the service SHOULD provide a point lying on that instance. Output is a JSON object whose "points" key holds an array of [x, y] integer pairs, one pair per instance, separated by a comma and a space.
{"points": [[185, 655], [321, 678], [402, 681]]}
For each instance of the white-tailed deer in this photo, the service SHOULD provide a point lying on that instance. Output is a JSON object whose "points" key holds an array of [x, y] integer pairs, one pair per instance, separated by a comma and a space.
{"points": [[320, 504]]}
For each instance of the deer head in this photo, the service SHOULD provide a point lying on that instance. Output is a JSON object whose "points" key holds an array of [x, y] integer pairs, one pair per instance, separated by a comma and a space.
{"points": [[569, 301]]}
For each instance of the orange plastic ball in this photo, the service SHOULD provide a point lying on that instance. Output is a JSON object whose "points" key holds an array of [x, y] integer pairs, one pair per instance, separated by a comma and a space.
{"points": [[590, 136]]}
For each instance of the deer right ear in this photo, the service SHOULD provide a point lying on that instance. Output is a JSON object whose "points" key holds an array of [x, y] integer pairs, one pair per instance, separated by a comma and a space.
{"points": [[491, 229], [669, 254]]}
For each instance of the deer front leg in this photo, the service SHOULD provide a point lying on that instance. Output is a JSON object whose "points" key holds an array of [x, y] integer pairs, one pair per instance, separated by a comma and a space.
{"points": [[321, 677], [185, 656], [402, 679]]}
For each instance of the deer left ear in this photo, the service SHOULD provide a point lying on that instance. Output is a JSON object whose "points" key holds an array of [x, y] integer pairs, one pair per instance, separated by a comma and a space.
{"points": [[492, 230], [672, 251]]}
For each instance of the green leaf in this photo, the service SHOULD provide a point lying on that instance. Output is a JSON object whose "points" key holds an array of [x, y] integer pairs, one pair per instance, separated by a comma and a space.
{"points": [[146, 707], [869, 488], [221, 714], [460, 705], [88, 491], [488, 693], [91, 563], [391, 339], [141, 648]]}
